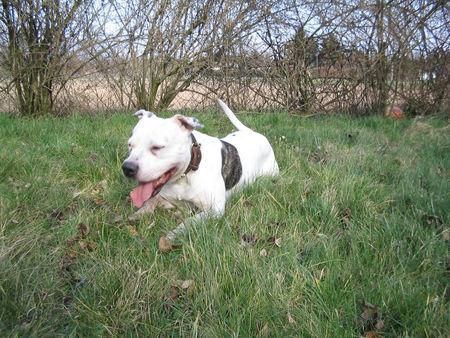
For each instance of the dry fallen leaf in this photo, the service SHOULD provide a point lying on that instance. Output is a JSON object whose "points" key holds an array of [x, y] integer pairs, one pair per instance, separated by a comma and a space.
{"points": [[371, 334], [133, 230], [99, 201], [69, 261], [57, 214], [86, 245], [319, 157], [76, 279], [275, 240], [183, 284], [95, 192], [278, 242], [77, 193], [187, 284], [379, 325], [271, 239], [83, 229], [173, 292], [369, 311], [370, 318], [72, 207], [169, 299], [90, 246], [165, 245], [432, 220], [248, 240], [290, 319], [263, 253], [346, 215]]}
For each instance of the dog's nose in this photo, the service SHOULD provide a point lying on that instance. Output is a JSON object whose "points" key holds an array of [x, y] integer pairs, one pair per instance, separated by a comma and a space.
{"points": [[129, 169]]}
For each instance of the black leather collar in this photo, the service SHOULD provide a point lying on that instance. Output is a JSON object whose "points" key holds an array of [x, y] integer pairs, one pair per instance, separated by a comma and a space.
{"points": [[196, 156]]}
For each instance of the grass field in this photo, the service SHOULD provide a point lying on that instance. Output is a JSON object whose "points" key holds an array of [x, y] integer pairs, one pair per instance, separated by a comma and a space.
{"points": [[350, 240]]}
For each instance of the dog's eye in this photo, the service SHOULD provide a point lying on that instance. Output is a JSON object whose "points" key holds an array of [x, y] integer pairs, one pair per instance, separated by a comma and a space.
{"points": [[154, 149]]}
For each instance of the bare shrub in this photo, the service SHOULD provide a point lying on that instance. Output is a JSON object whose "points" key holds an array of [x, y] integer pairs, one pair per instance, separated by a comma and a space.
{"points": [[41, 42], [358, 57], [308, 56], [167, 45]]}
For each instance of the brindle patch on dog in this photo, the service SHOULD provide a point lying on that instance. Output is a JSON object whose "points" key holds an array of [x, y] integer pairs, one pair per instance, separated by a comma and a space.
{"points": [[231, 165]]}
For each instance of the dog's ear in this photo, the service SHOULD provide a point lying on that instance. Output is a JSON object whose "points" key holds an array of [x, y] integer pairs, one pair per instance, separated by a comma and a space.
{"points": [[190, 123], [141, 113]]}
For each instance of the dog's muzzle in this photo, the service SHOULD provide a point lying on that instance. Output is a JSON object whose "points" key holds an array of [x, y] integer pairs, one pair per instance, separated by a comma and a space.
{"points": [[130, 169]]}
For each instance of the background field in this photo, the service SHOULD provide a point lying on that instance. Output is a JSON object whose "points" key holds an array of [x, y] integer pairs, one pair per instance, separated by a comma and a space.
{"points": [[351, 239]]}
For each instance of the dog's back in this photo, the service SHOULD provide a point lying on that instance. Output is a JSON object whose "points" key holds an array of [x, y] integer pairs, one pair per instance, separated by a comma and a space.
{"points": [[256, 154]]}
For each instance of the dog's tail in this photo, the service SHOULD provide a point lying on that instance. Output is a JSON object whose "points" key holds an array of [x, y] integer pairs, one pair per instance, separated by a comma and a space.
{"points": [[234, 120]]}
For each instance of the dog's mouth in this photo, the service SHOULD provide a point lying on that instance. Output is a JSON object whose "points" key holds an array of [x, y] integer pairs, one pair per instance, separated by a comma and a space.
{"points": [[146, 190]]}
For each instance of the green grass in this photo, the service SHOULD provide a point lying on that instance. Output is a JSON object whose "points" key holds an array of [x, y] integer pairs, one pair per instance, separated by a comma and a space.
{"points": [[351, 211]]}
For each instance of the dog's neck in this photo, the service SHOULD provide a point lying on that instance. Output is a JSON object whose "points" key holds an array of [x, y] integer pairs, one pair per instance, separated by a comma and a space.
{"points": [[196, 156]]}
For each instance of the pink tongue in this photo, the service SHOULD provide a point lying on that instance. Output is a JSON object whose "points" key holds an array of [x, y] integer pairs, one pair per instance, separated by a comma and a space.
{"points": [[142, 193]]}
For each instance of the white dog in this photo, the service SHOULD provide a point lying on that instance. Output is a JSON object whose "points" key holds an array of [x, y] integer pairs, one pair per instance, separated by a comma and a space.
{"points": [[173, 162]]}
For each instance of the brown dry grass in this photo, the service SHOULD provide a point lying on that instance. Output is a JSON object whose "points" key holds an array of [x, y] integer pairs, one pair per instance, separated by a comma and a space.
{"points": [[99, 95]]}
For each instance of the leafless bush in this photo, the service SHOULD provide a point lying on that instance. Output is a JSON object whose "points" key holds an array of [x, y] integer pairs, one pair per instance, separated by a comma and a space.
{"points": [[41, 43], [354, 56], [358, 56], [166, 45]]}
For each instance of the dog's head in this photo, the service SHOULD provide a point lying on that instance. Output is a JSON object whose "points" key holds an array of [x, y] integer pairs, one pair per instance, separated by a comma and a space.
{"points": [[159, 152]]}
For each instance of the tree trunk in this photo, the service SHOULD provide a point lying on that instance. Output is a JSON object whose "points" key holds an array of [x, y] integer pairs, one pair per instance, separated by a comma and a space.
{"points": [[381, 73]]}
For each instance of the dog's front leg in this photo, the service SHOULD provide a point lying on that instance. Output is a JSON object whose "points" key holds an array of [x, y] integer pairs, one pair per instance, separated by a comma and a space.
{"points": [[149, 207], [194, 219], [215, 209]]}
